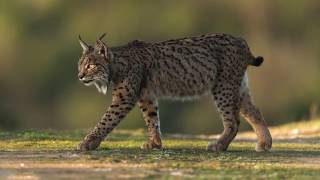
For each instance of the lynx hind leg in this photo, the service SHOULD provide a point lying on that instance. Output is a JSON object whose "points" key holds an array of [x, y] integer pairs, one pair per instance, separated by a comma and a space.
{"points": [[254, 117], [227, 101], [150, 113]]}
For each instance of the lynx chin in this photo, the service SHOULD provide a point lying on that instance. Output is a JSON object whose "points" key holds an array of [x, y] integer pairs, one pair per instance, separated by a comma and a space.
{"points": [[141, 72]]}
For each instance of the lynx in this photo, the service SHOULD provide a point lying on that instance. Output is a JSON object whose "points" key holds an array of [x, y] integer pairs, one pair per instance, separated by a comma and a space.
{"points": [[186, 68]]}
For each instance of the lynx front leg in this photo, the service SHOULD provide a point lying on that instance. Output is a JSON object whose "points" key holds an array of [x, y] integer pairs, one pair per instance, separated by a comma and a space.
{"points": [[150, 112], [123, 100]]}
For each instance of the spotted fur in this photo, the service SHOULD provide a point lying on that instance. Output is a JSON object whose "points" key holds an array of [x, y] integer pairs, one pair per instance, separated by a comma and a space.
{"points": [[187, 68]]}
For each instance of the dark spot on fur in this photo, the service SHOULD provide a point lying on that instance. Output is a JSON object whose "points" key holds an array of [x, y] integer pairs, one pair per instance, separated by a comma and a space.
{"points": [[152, 114]]}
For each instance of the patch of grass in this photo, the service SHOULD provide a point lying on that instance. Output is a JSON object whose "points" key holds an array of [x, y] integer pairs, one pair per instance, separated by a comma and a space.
{"points": [[42, 154]]}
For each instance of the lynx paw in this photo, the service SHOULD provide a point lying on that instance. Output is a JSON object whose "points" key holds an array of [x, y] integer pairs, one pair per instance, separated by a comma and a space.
{"points": [[150, 144], [90, 142], [216, 147], [263, 146]]}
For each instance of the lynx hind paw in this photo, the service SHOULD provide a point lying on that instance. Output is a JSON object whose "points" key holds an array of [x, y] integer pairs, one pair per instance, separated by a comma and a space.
{"points": [[263, 147], [216, 147]]}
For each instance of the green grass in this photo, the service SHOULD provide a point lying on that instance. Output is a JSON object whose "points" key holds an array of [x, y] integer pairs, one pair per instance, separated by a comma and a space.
{"points": [[50, 155]]}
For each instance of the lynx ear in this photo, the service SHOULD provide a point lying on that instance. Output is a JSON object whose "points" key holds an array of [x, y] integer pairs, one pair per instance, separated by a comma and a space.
{"points": [[83, 44], [101, 46]]}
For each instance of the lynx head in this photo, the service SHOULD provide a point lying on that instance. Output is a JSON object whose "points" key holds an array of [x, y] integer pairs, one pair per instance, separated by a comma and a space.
{"points": [[94, 65]]}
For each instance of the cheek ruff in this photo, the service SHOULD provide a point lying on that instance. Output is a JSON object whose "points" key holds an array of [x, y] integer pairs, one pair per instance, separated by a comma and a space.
{"points": [[102, 86]]}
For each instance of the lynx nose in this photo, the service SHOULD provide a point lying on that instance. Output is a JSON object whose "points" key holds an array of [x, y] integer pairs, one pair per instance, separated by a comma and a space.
{"points": [[81, 76]]}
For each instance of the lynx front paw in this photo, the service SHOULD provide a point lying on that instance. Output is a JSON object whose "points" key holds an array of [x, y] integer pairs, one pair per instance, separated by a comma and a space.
{"points": [[90, 142], [153, 143], [149, 145]]}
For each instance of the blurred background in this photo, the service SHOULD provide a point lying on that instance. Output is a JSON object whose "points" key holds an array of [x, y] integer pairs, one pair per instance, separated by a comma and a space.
{"points": [[39, 52]]}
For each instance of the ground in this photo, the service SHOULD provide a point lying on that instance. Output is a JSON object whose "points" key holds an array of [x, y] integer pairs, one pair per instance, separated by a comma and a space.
{"points": [[50, 155]]}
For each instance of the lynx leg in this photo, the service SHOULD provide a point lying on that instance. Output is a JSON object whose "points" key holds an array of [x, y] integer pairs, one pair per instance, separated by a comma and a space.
{"points": [[228, 104], [253, 115], [149, 108], [124, 98]]}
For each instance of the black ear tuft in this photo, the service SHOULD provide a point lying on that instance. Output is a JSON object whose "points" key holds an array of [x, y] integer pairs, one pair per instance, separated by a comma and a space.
{"points": [[102, 36]]}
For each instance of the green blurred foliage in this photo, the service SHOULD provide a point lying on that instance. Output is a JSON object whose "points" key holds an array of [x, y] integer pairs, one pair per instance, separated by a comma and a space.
{"points": [[39, 53]]}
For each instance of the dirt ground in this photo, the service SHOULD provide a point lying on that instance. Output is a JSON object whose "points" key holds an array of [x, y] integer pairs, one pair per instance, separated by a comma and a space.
{"points": [[50, 155]]}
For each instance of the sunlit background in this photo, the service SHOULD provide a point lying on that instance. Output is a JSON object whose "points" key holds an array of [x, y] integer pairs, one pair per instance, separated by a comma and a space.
{"points": [[39, 53]]}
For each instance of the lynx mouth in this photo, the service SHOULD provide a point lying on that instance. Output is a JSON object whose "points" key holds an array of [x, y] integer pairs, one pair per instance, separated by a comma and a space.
{"points": [[87, 82]]}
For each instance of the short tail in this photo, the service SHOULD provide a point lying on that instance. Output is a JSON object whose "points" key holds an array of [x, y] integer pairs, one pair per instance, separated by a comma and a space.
{"points": [[256, 61]]}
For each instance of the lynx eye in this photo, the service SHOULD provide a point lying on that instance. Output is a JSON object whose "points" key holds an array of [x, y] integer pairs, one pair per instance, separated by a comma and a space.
{"points": [[90, 66]]}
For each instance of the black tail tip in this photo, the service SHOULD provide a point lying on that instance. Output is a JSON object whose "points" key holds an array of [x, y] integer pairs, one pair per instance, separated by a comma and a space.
{"points": [[257, 61]]}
